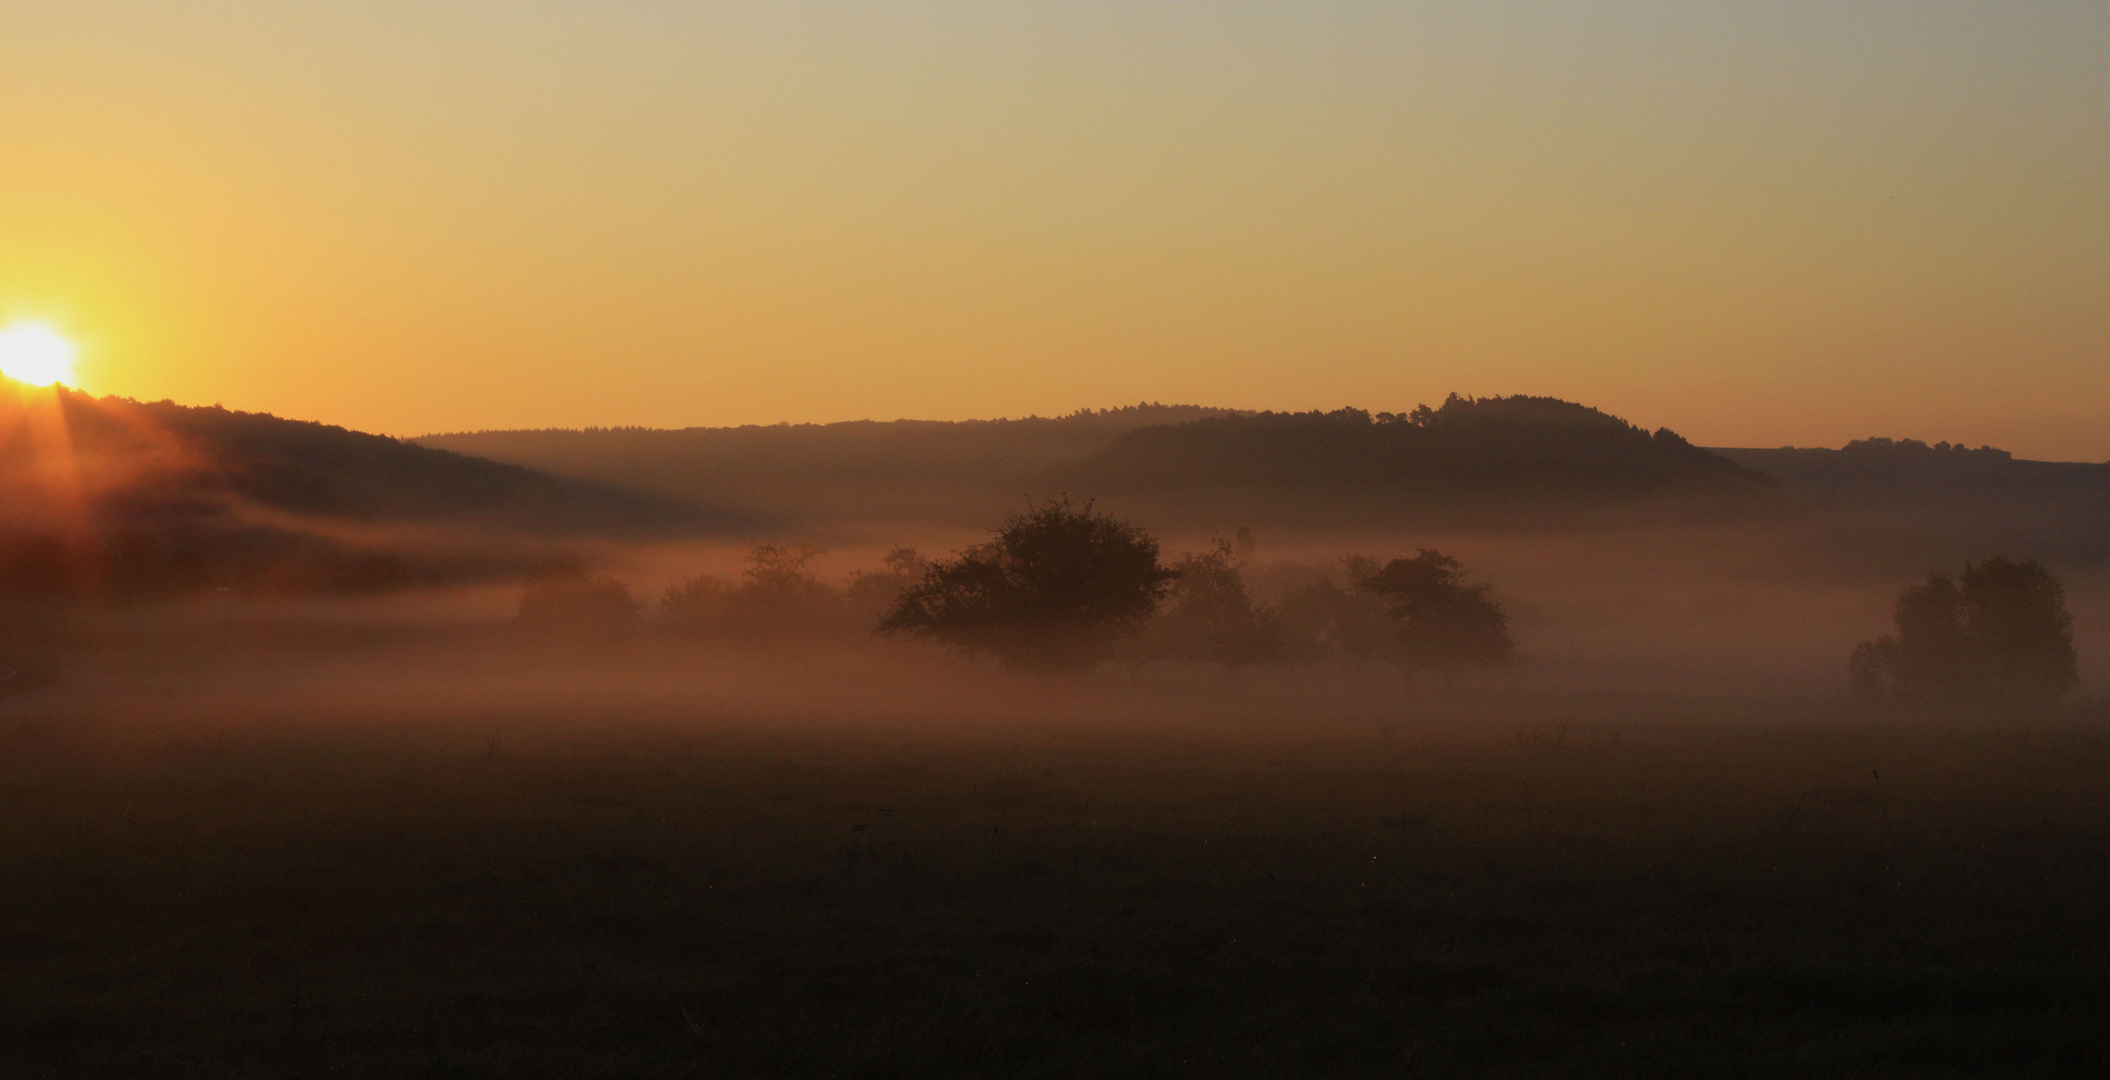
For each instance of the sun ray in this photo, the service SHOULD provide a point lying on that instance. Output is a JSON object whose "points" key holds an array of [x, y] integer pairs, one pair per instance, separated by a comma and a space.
{"points": [[45, 481]]}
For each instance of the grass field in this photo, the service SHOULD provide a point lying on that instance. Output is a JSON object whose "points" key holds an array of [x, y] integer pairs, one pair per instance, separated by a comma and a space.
{"points": [[1197, 881]]}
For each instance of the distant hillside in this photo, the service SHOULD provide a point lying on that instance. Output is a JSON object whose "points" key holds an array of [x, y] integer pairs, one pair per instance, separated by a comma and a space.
{"points": [[823, 476], [134, 457], [207, 495], [1519, 452], [1170, 465], [1975, 502]]}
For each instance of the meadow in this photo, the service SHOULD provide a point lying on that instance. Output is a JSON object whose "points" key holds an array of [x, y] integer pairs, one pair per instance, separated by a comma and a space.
{"points": [[440, 860]]}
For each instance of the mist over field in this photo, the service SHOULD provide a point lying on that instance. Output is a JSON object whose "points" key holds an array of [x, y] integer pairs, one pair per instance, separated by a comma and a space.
{"points": [[1496, 738]]}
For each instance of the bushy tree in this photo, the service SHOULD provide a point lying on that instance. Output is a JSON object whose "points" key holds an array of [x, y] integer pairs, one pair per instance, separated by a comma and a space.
{"points": [[1998, 636], [1441, 622], [1210, 617], [563, 598], [1053, 592]]}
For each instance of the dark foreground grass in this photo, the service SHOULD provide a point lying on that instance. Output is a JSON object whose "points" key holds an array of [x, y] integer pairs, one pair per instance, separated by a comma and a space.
{"points": [[1469, 898]]}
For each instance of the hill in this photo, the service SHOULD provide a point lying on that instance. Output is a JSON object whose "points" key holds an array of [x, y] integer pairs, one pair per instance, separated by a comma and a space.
{"points": [[1538, 449], [1970, 503], [1470, 464], [1174, 466], [209, 495], [1474, 465], [825, 476]]}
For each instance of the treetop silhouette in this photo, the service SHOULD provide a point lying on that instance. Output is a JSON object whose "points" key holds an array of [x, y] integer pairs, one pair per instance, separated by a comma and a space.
{"points": [[1053, 592], [1996, 637]]}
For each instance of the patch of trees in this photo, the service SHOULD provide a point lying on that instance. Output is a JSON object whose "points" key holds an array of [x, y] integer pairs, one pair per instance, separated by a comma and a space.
{"points": [[1996, 637], [777, 594], [1063, 588], [1911, 449]]}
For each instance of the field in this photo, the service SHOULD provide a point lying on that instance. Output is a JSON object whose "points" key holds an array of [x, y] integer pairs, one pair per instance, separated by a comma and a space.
{"points": [[500, 863]]}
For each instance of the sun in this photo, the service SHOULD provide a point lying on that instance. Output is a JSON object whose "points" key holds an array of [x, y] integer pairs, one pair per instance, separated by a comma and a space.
{"points": [[35, 353]]}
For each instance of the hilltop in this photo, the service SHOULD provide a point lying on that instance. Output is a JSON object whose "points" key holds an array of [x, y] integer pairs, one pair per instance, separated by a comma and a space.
{"points": [[1537, 453], [1170, 464], [185, 496]]}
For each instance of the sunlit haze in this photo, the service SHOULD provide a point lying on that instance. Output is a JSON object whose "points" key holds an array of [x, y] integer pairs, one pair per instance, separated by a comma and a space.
{"points": [[1759, 224]]}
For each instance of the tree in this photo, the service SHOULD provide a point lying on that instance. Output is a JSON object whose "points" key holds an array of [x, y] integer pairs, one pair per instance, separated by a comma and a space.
{"points": [[1997, 637], [1442, 623], [777, 594], [694, 605], [1869, 666], [1319, 616], [1210, 617], [872, 592], [1053, 592]]}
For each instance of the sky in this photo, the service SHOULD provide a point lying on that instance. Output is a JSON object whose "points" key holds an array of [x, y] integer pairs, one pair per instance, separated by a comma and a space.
{"points": [[1759, 224]]}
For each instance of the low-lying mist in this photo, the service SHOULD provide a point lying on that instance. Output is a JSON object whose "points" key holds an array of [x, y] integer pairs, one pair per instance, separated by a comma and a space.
{"points": [[1638, 616]]}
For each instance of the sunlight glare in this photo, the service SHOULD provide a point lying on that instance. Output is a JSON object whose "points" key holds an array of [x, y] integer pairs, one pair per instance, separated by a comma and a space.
{"points": [[36, 354]]}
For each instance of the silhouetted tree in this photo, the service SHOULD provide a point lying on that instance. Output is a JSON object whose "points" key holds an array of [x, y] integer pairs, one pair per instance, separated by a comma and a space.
{"points": [[872, 592], [694, 605], [1869, 666], [1322, 617], [1366, 627], [1443, 623], [1052, 592], [1999, 637], [2017, 623], [1210, 617], [562, 598], [778, 592]]}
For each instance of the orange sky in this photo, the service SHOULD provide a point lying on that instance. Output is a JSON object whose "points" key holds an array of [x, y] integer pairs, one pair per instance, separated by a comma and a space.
{"points": [[1758, 224]]}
